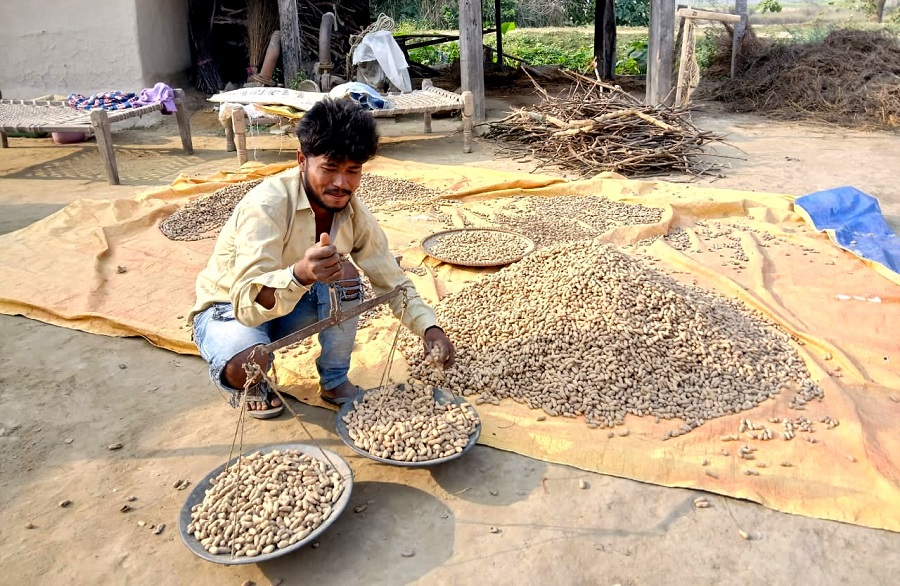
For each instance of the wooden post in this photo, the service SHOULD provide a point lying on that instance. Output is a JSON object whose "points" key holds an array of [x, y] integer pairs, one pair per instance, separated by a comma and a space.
{"points": [[686, 62], [471, 57], [497, 17], [683, 89], [228, 125], [467, 112], [661, 56], [239, 124], [605, 38], [290, 39], [740, 8], [4, 141], [427, 83], [184, 121], [100, 124], [680, 21]]}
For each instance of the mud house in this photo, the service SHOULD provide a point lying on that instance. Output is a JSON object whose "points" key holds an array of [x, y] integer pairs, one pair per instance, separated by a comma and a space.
{"points": [[66, 46]]}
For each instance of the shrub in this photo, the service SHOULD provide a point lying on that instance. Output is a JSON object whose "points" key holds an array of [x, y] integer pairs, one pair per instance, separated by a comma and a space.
{"points": [[633, 59]]}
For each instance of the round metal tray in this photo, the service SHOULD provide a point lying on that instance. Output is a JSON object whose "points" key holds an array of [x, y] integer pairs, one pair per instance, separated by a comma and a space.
{"points": [[442, 397], [429, 242], [199, 492]]}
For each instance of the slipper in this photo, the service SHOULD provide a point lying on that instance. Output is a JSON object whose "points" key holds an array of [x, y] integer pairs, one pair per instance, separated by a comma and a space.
{"points": [[341, 400], [261, 395]]}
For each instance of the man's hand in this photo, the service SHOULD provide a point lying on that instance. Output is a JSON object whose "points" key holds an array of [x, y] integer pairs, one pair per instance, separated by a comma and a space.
{"points": [[321, 263], [348, 271], [439, 350]]}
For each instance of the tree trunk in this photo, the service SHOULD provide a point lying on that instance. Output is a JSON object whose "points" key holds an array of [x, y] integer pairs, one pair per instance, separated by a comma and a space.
{"points": [[740, 8], [497, 19], [661, 52], [878, 6], [471, 54], [290, 40], [605, 37]]}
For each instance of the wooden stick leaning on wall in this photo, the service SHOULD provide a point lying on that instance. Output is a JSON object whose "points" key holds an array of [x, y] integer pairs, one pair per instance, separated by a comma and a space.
{"points": [[686, 60]]}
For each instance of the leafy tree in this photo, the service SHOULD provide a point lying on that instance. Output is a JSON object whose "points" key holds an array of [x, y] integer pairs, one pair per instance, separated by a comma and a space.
{"points": [[876, 10], [507, 12], [872, 8], [632, 12], [580, 12], [537, 13]]}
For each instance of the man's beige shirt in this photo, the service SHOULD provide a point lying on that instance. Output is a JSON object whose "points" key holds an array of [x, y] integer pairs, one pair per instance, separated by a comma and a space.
{"points": [[271, 229]]}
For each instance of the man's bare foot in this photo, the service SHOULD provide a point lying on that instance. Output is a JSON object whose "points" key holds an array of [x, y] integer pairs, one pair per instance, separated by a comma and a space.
{"points": [[272, 402], [262, 402], [344, 392]]}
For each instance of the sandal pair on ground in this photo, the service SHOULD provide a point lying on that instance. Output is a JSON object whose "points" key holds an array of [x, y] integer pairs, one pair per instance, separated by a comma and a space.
{"points": [[262, 393]]}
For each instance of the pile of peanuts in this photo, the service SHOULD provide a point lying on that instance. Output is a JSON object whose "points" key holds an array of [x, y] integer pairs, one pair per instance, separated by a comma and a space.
{"points": [[387, 195], [265, 502], [479, 247], [678, 239], [552, 220], [205, 216], [405, 423], [583, 329], [380, 192]]}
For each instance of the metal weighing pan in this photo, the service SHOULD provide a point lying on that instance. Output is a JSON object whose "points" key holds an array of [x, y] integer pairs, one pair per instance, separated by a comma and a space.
{"points": [[199, 492], [442, 397], [428, 243]]}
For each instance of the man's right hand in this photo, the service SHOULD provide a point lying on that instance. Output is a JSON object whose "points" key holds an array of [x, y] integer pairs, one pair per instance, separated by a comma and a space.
{"points": [[321, 263]]}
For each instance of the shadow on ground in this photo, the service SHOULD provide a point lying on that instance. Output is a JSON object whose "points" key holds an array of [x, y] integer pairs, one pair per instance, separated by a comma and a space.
{"points": [[483, 476], [392, 526], [17, 216], [135, 165]]}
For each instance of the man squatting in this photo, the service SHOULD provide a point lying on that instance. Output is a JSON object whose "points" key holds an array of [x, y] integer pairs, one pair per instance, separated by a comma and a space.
{"points": [[284, 245]]}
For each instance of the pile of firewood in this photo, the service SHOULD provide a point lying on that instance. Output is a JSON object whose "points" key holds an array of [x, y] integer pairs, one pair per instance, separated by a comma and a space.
{"points": [[596, 127]]}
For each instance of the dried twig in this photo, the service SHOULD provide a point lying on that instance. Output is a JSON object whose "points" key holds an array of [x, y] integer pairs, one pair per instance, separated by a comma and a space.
{"points": [[599, 127]]}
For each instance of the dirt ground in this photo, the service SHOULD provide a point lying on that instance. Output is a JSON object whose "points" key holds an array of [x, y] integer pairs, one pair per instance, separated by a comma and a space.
{"points": [[65, 396]]}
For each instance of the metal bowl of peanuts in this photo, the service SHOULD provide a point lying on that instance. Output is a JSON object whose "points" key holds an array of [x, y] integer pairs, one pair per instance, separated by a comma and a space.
{"points": [[265, 503], [477, 247], [409, 425]]}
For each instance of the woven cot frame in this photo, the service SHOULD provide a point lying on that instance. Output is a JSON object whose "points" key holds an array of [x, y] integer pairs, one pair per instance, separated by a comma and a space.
{"points": [[53, 116], [427, 101]]}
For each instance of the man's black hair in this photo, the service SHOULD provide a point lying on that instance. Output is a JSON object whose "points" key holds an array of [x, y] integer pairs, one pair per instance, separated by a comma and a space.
{"points": [[341, 130]]}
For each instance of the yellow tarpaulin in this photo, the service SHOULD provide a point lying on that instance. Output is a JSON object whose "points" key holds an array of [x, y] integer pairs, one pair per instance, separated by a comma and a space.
{"points": [[104, 267]]}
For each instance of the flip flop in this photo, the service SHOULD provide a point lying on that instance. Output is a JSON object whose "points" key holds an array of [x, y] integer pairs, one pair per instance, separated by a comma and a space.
{"points": [[339, 401], [262, 395]]}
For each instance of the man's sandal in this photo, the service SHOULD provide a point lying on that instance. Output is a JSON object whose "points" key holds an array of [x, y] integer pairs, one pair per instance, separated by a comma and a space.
{"points": [[261, 393]]}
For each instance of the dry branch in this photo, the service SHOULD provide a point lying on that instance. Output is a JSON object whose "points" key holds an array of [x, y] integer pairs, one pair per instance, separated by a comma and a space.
{"points": [[597, 127]]}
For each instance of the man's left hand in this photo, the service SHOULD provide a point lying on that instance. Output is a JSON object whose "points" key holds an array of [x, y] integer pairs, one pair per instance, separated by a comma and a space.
{"points": [[439, 348], [348, 271]]}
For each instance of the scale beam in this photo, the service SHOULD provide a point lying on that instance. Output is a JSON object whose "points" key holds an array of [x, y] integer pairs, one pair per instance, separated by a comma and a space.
{"points": [[337, 316]]}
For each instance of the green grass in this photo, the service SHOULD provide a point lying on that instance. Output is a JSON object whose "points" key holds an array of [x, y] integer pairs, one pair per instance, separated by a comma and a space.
{"points": [[572, 47], [569, 46], [565, 39]]}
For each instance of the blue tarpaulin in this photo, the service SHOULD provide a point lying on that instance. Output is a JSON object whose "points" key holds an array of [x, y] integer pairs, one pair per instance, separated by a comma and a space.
{"points": [[857, 222]]}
